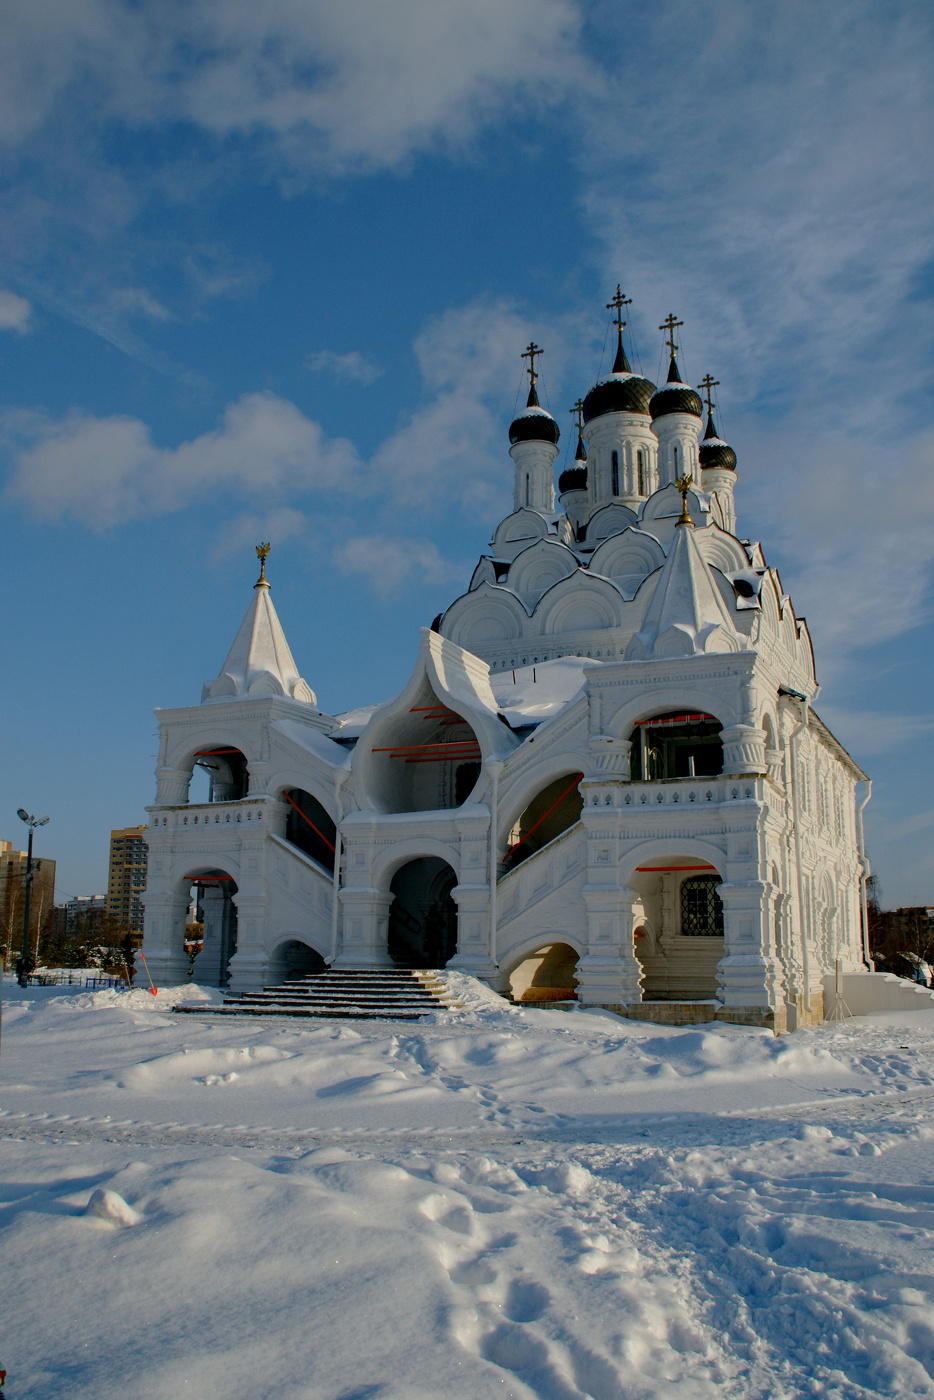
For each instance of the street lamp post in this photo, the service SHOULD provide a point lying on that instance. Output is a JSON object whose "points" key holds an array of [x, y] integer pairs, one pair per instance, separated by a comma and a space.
{"points": [[24, 968]]}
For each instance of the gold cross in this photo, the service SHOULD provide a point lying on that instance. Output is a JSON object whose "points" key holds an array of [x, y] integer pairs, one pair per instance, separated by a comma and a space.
{"points": [[579, 410], [529, 354], [618, 302], [670, 324], [261, 552], [707, 384]]}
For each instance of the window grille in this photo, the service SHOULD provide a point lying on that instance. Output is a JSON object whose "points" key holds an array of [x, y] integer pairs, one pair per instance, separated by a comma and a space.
{"points": [[701, 907]]}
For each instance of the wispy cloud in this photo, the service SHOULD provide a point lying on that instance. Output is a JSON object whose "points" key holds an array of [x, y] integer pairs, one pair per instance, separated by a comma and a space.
{"points": [[104, 472], [350, 366], [388, 561], [14, 312]]}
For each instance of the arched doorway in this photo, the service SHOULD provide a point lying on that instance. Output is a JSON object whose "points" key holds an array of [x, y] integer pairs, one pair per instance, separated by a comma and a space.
{"points": [[292, 959], [214, 910], [423, 915], [547, 974], [680, 931]]}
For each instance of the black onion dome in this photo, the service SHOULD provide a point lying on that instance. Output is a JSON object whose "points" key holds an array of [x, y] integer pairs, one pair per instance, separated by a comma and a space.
{"points": [[573, 478], [618, 393], [713, 451], [675, 397], [534, 425]]}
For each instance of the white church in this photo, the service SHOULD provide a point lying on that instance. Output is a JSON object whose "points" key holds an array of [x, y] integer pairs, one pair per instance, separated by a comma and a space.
{"points": [[604, 781]]}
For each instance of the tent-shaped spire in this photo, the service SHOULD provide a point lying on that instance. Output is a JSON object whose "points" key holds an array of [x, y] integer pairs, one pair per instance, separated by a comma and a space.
{"points": [[687, 614], [260, 662]]}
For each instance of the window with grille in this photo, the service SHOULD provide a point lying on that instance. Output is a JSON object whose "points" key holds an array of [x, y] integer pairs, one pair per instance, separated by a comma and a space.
{"points": [[701, 907]]}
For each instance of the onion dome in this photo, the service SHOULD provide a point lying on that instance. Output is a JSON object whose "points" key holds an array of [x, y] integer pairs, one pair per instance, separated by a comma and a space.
{"points": [[535, 424], [620, 392], [675, 397], [713, 451]]}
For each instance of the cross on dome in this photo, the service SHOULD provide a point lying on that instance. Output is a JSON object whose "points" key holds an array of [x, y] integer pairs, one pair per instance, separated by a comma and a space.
{"points": [[707, 384], [670, 324], [529, 354], [579, 410], [620, 364]]}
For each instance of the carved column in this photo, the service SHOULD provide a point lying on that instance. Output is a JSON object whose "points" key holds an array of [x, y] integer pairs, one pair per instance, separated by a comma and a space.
{"points": [[743, 750]]}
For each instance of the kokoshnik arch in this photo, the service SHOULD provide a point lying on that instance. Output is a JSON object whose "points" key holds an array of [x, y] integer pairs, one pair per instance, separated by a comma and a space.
{"points": [[604, 777]]}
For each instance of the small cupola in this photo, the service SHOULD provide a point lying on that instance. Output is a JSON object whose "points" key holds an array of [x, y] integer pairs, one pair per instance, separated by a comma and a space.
{"points": [[675, 396], [712, 450], [535, 424], [574, 477]]}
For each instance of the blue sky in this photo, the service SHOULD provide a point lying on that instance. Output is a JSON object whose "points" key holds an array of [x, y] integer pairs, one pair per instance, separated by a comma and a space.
{"points": [[267, 271]]}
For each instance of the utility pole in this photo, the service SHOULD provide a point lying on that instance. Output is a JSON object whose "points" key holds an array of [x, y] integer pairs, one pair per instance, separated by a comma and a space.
{"points": [[24, 968]]}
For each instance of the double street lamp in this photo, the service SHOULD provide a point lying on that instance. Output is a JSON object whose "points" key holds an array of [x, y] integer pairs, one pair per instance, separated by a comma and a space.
{"points": [[24, 968]]}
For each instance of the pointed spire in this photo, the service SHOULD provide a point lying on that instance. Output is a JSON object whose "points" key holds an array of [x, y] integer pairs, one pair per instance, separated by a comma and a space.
{"points": [[529, 354], [581, 454], [708, 384], [671, 324], [260, 662], [620, 365], [687, 614]]}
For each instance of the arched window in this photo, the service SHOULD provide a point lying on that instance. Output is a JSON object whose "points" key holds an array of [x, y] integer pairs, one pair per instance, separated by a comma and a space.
{"points": [[226, 769], [679, 744], [614, 465], [701, 907], [640, 468]]}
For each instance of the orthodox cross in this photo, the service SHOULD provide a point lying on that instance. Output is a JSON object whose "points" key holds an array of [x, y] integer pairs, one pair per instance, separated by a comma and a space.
{"points": [[684, 484], [529, 354], [618, 302], [261, 552], [670, 324], [579, 410], [708, 383]]}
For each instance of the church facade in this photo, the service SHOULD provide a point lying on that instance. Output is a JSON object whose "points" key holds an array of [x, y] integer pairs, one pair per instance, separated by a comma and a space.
{"points": [[604, 779]]}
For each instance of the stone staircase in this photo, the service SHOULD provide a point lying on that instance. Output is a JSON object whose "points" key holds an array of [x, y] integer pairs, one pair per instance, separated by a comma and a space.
{"points": [[397, 994]]}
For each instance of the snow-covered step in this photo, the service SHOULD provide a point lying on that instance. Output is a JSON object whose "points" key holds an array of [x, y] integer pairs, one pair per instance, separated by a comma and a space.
{"points": [[359, 994]]}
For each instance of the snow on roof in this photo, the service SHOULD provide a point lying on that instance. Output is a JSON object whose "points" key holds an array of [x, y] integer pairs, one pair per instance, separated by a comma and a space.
{"points": [[531, 694], [312, 740], [351, 724]]}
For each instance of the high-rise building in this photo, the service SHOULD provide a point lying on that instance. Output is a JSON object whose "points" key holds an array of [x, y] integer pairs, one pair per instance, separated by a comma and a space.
{"points": [[126, 878], [12, 891]]}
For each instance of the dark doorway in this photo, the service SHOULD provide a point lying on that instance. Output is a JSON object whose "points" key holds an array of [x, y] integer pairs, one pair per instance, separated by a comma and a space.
{"points": [[423, 915]]}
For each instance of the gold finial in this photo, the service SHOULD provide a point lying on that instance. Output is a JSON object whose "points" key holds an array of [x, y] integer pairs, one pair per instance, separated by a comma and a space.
{"points": [[670, 324], [707, 384], [261, 552], [684, 484], [617, 304], [579, 410]]}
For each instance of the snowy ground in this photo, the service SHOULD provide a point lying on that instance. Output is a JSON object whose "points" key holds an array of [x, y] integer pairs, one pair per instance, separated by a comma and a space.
{"points": [[497, 1203]]}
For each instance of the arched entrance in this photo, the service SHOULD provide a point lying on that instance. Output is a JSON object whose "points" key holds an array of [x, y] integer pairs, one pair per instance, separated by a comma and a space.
{"points": [[292, 959], [679, 932], [212, 893], [423, 915], [547, 974], [220, 774]]}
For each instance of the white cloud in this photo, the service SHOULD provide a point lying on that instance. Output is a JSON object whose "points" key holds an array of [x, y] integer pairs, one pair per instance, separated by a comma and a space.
{"points": [[14, 312], [350, 366], [245, 531], [106, 471], [389, 561], [356, 85]]}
